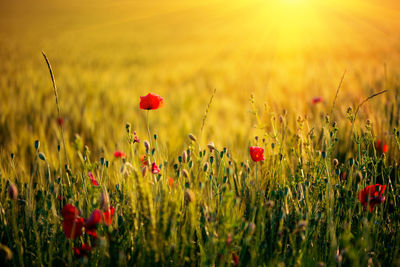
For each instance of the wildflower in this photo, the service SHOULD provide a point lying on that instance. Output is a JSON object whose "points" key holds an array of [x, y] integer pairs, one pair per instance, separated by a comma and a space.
{"points": [[108, 215], [60, 121], [144, 160], [316, 100], [151, 101], [72, 223], [92, 179], [119, 154], [13, 192], [82, 251], [235, 259], [170, 181], [154, 168], [372, 195], [92, 222], [256, 153], [381, 147], [136, 139]]}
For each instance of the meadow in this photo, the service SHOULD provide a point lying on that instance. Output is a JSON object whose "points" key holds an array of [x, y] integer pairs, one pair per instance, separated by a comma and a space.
{"points": [[276, 141]]}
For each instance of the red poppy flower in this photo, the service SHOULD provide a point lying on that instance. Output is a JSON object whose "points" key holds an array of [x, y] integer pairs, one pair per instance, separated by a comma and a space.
{"points": [[256, 153], [235, 259], [343, 176], [60, 198], [72, 223], [136, 139], [144, 160], [381, 147], [316, 100], [372, 195], [108, 215], [92, 179], [82, 251], [171, 181], [151, 101], [69, 212], [155, 169], [92, 222], [60, 121], [119, 154]]}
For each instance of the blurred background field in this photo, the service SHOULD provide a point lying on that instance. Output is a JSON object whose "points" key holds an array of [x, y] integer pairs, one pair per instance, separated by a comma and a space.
{"points": [[106, 54]]}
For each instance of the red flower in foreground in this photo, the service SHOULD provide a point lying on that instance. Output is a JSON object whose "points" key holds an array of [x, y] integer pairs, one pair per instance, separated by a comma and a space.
{"points": [[92, 179], [119, 154], [256, 153], [92, 222], [155, 169], [82, 251], [108, 215], [151, 101], [235, 259], [372, 195], [72, 223], [316, 100]]}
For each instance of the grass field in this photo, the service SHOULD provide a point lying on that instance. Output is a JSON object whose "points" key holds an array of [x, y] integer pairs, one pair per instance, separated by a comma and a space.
{"points": [[314, 83]]}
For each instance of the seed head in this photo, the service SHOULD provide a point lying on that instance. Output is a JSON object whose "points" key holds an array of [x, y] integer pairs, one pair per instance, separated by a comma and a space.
{"points": [[335, 163], [144, 171], [189, 196], [104, 200], [184, 157], [147, 146], [192, 137], [211, 146], [185, 173], [13, 192]]}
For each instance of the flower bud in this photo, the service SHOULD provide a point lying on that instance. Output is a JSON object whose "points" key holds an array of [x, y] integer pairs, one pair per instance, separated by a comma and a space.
{"points": [[335, 163], [42, 156], [37, 144], [13, 192], [147, 146]]}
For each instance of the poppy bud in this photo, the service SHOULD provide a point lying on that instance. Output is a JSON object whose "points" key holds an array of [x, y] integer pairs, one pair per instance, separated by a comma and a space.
{"points": [[128, 127], [147, 146], [37, 144], [104, 201], [42, 156], [192, 137], [13, 192], [205, 166], [335, 163], [184, 157]]}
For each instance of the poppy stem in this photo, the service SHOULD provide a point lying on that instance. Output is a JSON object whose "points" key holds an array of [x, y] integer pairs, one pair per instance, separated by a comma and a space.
{"points": [[148, 128]]}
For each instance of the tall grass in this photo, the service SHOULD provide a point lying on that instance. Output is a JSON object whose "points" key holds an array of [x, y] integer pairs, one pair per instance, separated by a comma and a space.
{"points": [[299, 207]]}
